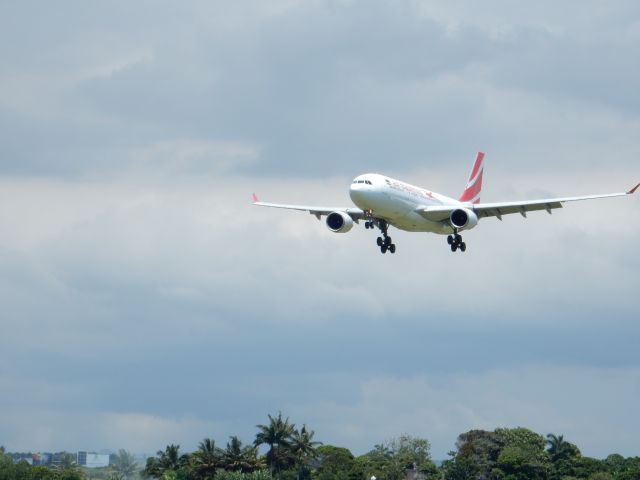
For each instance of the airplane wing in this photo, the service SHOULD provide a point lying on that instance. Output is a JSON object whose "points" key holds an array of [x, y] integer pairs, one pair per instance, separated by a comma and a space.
{"points": [[440, 213], [522, 207], [354, 213]]}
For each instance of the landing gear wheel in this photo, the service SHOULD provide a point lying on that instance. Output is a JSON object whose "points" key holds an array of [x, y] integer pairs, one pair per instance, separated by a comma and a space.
{"points": [[455, 241], [384, 241]]}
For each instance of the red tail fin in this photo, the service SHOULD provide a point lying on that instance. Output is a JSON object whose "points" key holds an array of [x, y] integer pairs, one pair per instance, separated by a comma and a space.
{"points": [[474, 184]]}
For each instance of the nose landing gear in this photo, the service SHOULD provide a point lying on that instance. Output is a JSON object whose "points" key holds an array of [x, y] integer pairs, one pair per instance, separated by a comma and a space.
{"points": [[456, 242]]}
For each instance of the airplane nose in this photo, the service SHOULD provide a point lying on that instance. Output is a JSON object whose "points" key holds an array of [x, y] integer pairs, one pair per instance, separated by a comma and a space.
{"points": [[356, 193]]}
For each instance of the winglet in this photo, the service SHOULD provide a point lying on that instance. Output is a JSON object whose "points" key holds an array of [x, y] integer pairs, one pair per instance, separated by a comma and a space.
{"points": [[633, 190], [254, 197]]}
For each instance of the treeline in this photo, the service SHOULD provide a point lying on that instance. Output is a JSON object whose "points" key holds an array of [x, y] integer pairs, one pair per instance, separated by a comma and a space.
{"points": [[293, 454]]}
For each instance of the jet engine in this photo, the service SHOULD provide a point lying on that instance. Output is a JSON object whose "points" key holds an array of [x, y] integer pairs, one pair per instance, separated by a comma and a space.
{"points": [[463, 219], [339, 222]]}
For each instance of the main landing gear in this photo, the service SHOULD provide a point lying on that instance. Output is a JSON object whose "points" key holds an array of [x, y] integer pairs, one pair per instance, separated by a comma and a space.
{"points": [[384, 242], [456, 242]]}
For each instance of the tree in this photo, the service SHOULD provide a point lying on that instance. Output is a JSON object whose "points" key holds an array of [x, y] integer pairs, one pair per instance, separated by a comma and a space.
{"points": [[376, 463], [523, 456], [303, 448], [564, 457], [336, 463], [559, 449], [412, 453], [629, 468], [166, 463], [585, 467], [124, 463], [239, 458], [277, 434], [477, 454], [206, 459], [398, 456]]}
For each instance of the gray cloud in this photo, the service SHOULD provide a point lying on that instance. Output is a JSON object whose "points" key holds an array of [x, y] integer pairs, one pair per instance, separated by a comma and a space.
{"points": [[138, 283], [356, 87], [146, 301]]}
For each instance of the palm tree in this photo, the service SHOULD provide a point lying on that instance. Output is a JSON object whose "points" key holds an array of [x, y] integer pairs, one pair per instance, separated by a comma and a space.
{"points": [[559, 449], [165, 461], [239, 458], [171, 459], [206, 459], [278, 436], [303, 448]]}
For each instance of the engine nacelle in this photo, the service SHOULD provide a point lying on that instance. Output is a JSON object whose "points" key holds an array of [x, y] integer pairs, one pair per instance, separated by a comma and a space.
{"points": [[339, 222], [463, 219]]}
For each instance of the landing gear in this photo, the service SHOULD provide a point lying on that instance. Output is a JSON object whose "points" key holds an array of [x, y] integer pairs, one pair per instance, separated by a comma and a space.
{"points": [[384, 242], [456, 243]]}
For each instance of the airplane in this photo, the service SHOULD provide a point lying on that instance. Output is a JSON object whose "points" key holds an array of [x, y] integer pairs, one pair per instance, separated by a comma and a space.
{"points": [[383, 201]]}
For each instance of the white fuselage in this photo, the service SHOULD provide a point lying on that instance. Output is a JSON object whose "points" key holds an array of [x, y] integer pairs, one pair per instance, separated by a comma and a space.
{"points": [[397, 202]]}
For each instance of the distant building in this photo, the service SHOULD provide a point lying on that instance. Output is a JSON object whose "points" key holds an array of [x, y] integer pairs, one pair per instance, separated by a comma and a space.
{"points": [[93, 459], [22, 457], [56, 458]]}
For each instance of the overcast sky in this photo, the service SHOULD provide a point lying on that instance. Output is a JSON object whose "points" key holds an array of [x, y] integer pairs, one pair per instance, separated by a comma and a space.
{"points": [[144, 301]]}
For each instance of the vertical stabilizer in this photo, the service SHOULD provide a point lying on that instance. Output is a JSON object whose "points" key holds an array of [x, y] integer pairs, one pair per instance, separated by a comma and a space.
{"points": [[474, 184]]}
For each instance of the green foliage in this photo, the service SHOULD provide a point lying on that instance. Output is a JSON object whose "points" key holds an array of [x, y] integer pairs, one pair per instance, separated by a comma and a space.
{"points": [[476, 456], [168, 464], [601, 476], [585, 467], [206, 460], [392, 460], [504, 454], [560, 450], [24, 471], [257, 475], [239, 458], [67, 474], [124, 465], [277, 434], [523, 455], [627, 469], [336, 463]]}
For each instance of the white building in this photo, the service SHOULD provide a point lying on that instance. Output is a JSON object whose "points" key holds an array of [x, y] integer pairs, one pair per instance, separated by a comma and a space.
{"points": [[93, 460]]}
